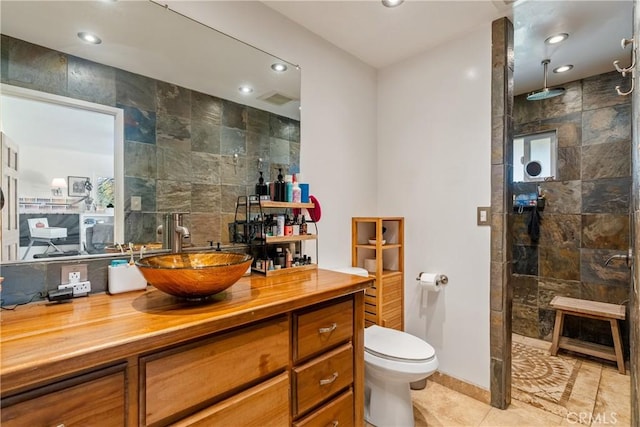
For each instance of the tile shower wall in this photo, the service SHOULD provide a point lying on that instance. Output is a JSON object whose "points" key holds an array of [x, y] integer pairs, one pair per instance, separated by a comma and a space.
{"points": [[585, 220], [185, 151]]}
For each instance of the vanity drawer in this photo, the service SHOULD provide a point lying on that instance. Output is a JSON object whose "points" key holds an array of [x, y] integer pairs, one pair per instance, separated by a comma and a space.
{"points": [[180, 379], [97, 398], [266, 404], [322, 378], [322, 328], [338, 412]]}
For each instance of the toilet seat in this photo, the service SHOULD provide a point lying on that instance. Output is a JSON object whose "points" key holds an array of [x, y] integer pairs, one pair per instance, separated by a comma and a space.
{"points": [[394, 345]]}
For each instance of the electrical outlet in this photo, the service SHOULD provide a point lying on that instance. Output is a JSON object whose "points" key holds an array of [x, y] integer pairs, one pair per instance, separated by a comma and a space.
{"points": [[73, 273], [79, 288]]}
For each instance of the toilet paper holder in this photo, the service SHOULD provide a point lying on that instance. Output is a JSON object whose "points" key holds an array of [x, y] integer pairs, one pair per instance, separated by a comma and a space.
{"points": [[442, 279]]}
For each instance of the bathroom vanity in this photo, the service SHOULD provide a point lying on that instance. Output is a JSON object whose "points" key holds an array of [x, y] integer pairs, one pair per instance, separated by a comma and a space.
{"points": [[275, 351]]}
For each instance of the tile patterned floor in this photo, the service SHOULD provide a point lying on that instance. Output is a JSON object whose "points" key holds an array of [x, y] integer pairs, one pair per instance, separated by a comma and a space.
{"points": [[600, 396]]}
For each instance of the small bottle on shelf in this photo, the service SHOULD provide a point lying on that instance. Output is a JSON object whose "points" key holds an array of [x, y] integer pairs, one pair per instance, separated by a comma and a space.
{"points": [[288, 227], [288, 185], [280, 258], [296, 226], [296, 192], [303, 226], [280, 225], [288, 259], [279, 188], [261, 187]]}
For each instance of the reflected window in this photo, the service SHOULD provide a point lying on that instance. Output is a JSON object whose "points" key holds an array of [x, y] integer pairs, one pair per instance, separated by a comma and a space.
{"points": [[534, 157], [105, 192]]}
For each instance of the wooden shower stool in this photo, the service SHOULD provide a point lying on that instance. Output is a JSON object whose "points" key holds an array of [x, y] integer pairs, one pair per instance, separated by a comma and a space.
{"points": [[594, 310]]}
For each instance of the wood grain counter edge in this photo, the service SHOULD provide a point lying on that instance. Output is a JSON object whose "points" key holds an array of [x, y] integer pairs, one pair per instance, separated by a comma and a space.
{"points": [[43, 342]]}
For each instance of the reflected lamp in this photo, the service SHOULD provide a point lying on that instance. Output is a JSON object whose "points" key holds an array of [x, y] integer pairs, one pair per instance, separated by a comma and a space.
{"points": [[57, 185]]}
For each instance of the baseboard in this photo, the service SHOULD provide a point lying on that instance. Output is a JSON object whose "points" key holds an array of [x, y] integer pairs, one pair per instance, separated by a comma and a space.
{"points": [[460, 386]]}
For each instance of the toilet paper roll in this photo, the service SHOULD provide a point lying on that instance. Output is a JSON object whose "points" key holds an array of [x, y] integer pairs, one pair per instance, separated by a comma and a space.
{"points": [[431, 281]]}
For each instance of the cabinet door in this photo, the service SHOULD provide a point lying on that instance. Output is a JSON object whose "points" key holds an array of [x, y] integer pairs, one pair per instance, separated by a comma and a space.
{"points": [[391, 307], [185, 378], [89, 400], [266, 404]]}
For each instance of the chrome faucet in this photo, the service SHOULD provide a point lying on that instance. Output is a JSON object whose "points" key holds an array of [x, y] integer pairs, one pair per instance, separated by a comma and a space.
{"points": [[175, 231]]}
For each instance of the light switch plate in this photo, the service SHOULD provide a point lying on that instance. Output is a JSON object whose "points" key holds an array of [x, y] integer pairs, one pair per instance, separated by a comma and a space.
{"points": [[484, 215], [136, 203]]}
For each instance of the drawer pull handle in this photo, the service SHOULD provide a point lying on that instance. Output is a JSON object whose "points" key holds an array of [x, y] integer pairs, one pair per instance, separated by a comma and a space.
{"points": [[329, 380], [329, 329], [334, 423]]}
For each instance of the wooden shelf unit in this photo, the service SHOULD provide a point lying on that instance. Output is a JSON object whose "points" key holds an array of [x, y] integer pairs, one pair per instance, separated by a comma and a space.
{"points": [[384, 302]]}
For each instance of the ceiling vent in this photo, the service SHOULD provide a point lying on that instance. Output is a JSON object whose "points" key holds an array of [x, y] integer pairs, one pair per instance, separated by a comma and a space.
{"points": [[275, 98]]}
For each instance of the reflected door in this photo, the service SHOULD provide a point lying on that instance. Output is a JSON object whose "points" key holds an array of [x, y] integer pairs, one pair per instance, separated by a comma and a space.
{"points": [[9, 231]]}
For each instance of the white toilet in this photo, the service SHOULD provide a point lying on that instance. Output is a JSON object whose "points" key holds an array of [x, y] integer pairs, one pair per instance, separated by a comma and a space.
{"points": [[393, 359]]}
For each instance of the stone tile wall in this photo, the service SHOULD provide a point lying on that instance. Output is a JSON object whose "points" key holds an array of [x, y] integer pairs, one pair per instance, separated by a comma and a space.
{"points": [[586, 218], [180, 145], [634, 299]]}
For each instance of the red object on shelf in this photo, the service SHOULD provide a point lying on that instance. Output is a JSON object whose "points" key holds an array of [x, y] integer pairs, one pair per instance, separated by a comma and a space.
{"points": [[315, 213]]}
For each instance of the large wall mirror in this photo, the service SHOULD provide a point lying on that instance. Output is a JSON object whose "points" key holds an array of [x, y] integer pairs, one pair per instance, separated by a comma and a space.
{"points": [[112, 136]]}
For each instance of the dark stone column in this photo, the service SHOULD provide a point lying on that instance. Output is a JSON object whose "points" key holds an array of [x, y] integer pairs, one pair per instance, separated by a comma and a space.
{"points": [[634, 301], [501, 171]]}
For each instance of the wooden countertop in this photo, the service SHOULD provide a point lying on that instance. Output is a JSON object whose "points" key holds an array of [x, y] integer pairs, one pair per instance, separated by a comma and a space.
{"points": [[42, 341]]}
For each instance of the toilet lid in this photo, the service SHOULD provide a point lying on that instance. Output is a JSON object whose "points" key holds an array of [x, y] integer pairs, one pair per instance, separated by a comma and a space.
{"points": [[397, 345]]}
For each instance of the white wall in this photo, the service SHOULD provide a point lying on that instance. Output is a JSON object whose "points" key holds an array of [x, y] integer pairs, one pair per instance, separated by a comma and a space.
{"points": [[434, 147], [338, 116], [374, 146]]}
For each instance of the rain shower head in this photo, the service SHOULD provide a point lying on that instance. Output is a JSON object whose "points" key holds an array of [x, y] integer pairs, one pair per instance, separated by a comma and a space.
{"points": [[545, 92]]}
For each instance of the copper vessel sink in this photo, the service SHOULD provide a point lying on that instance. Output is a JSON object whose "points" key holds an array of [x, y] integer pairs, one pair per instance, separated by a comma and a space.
{"points": [[194, 275]]}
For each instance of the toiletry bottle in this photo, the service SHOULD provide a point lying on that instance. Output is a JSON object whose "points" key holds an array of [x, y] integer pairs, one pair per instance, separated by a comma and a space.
{"points": [[296, 226], [296, 191], [279, 188], [288, 227], [288, 186], [280, 258], [288, 258], [280, 225], [261, 187], [303, 226]]}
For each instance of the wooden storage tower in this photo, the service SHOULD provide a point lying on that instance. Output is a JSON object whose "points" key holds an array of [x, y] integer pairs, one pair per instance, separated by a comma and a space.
{"points": [[384, 302]]}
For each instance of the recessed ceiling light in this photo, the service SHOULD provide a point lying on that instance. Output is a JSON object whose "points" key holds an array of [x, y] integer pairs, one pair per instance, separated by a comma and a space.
{"points": [[245, 89], [556, 38], [279, 67], [392, 3], [563, 68], [89, 37]]}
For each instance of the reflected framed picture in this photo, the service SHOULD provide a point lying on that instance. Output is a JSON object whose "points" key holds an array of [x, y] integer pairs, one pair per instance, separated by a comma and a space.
{"points": [[77, 185]]}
